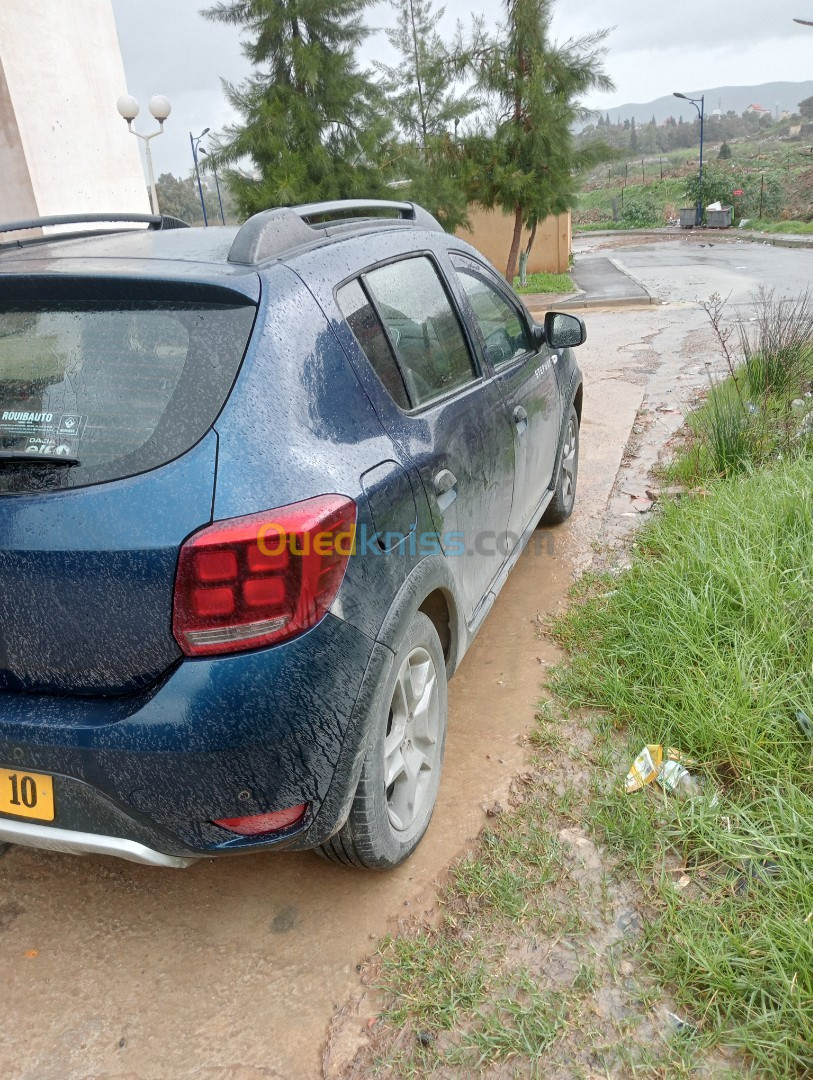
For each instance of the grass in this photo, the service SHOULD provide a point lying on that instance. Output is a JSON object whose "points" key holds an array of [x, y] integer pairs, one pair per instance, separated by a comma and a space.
{"points": [[451, 985], [636, 205], [762, 412], [598, 226], [707, 645], [801, 227], [546, 283]]}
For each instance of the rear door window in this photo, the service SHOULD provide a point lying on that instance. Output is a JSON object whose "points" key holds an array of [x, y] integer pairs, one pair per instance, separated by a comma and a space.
{"points": [[423, 327], [121, 387], [368, 331]]}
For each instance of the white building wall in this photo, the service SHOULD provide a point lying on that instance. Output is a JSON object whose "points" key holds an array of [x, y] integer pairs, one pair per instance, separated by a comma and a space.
{"points": [[60, 75]]}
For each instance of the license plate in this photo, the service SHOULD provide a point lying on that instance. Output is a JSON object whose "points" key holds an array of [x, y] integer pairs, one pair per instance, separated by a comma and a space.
{"points": [[26, 794]]}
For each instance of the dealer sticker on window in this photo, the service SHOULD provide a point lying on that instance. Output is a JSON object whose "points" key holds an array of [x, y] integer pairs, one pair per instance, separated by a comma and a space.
{"points": [[22, 424]]}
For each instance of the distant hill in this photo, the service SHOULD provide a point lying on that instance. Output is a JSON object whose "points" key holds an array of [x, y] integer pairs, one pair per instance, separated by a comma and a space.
{"points": [[781, 96]]}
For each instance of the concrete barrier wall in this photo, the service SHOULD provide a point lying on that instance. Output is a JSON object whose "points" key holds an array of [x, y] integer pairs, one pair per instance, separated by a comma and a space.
{"points": [[491, 231], [63, 146]]}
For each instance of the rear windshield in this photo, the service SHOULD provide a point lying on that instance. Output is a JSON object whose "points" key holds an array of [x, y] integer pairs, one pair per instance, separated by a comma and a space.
{"points": [[122, 388]]}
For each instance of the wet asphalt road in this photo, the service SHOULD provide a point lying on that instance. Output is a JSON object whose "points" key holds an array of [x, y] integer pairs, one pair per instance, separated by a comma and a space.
{"points": [[690, 268], [234, 968]]}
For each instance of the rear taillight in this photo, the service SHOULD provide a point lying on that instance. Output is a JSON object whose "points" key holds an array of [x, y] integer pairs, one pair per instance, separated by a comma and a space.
{"points": [[261, 824], [262, 579]]}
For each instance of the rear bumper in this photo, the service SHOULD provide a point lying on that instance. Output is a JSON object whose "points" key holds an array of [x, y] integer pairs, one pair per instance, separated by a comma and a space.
{"points": [[221, 738], [47, 838]]}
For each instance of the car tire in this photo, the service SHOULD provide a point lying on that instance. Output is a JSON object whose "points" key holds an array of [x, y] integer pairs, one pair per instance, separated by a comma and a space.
{"points": [[561, 505], [406, 745]]}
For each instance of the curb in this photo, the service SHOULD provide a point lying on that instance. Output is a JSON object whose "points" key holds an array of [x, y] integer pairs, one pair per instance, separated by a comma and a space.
{"points": [[786, 240], [783, 240], [578, 303], [617, 302]]}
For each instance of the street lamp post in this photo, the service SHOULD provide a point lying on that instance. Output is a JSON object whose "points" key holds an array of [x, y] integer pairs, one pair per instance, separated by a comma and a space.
{"points": [[201, 150], [160, 108], [700, 105], [194, 144]]}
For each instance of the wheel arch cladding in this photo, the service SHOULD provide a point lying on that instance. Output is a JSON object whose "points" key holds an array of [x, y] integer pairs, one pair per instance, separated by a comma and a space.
{"points": [[429, 588], [577, 401]]}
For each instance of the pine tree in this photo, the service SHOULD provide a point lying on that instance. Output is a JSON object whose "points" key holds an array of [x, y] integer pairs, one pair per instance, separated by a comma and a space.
{"points": [[527, 165], [633, 136], [309, 125], [421, 87], [423, 99]]}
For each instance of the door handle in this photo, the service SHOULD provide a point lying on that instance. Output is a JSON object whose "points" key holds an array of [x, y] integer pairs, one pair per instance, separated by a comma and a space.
{"points": [[444, 481], [520, 415], [445, 484]]}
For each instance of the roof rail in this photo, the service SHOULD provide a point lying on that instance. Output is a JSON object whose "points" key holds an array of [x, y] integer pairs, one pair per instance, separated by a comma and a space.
{"points": [[341, 208], [154, 221], [272, 232]]}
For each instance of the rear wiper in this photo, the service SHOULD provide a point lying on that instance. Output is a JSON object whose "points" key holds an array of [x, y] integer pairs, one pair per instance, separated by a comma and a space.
{"points": [[45, 459]]}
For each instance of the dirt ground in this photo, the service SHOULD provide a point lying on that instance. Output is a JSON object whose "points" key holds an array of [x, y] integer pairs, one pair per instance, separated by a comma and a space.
{"points": [[235, 968], [584, 944]]}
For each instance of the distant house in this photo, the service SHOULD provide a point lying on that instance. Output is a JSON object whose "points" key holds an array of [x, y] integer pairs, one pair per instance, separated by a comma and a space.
{"points": [[758, 110]]}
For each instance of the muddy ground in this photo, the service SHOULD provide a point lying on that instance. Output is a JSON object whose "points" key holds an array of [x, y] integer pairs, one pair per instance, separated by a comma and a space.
{"points": [[236, 968]]}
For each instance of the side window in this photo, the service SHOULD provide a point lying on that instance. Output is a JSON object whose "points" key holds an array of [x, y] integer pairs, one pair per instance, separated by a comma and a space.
{"points": [[368, 331], [504, 332], [432, 352]]}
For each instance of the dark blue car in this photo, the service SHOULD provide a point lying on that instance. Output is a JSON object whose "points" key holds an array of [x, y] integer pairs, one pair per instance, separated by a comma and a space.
{"points": [[259, 488]]}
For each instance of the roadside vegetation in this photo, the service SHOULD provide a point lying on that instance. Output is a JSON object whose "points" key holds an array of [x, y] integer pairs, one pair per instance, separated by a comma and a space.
{"points": [[801, 227], [762, 412], [704, 644], [774, 175], [545, 283]]}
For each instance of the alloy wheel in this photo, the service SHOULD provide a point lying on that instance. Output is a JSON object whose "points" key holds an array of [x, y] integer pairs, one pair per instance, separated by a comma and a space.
{"points": [[411, 744], [570, 452]]}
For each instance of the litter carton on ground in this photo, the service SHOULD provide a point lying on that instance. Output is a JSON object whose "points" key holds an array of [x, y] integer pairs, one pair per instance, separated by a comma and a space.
{"points": [[667, 768]]}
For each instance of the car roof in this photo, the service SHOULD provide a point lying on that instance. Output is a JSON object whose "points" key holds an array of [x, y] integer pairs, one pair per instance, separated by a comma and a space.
{"points": [[205, 249], [169, 248]]}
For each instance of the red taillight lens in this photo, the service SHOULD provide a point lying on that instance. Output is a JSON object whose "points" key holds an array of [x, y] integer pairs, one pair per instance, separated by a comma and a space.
{"points": [[261, 579], [259, 824]]}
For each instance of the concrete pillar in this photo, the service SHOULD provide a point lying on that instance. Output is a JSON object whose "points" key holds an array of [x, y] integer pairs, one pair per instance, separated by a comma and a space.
{"points": [[63, 147]]}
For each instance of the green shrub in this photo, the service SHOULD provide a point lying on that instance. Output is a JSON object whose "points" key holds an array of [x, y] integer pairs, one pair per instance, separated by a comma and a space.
{"points": [[727, 429], [778, 351], [641, 210], [720, 182]]}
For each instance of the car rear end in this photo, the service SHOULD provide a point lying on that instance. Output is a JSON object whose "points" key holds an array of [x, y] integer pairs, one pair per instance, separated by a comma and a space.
{"points": [[160, 672]]}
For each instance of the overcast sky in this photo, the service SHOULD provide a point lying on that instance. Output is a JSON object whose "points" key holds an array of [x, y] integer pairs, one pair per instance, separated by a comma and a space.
{"points": [[169, 48]]}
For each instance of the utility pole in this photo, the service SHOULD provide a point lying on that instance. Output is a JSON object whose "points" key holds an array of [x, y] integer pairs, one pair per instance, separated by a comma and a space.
{"points": [[194, 144], [700, 105]]}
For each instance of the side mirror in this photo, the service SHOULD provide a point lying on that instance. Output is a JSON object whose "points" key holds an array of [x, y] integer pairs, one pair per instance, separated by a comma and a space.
{"points": [[564, 331]]}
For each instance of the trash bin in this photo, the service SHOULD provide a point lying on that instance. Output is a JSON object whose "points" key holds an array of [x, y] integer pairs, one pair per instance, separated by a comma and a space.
{"points": [[720, 219], [688, 217]]}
